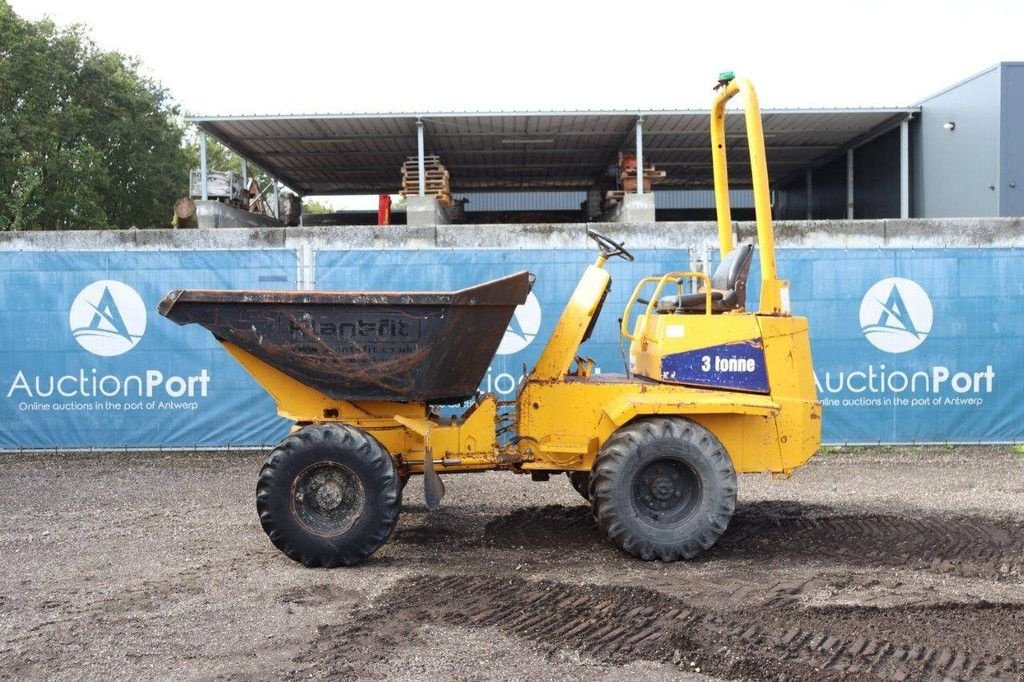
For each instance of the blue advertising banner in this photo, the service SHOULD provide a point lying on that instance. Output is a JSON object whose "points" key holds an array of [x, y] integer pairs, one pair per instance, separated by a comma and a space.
{"points": [[913, 345], [909, 345], [86, 361]]}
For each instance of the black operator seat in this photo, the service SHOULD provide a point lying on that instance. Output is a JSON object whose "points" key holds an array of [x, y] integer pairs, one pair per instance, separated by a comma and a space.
{"points": [[728, 287]]}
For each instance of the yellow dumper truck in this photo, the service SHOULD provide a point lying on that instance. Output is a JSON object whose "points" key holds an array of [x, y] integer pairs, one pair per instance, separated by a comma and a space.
{"points": [[711, 389]]}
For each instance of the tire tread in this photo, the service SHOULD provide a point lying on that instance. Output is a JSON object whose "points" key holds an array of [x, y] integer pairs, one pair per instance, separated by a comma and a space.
{"points": [[342, 437], [611, 463]]}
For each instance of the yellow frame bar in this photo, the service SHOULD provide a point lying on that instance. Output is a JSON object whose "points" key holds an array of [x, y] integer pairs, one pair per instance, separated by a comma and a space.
{"points": [[771, 287], [662, 281]]}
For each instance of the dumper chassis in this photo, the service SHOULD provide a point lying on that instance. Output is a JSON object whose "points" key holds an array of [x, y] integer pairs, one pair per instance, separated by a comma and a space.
{"points": [[711, 390]]}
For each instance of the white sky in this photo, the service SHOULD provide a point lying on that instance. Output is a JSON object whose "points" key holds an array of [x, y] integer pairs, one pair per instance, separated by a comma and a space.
{"points": [[302, 56]]}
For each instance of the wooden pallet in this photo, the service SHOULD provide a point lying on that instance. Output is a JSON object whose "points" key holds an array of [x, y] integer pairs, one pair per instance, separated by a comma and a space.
{"points": [[436, 179], [627, 178], [444, 199], [427, 177]]}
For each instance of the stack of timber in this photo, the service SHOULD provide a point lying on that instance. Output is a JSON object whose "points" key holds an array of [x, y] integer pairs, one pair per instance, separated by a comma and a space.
{"points": [[184, 214], [628, 180], [435, 179]]}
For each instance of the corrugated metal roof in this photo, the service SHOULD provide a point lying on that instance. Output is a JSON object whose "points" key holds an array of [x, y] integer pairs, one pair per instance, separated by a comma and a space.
{"points": [[509, 151]]}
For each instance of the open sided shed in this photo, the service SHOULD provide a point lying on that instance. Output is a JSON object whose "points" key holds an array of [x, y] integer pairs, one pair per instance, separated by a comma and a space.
{"points": [[510, 153]]}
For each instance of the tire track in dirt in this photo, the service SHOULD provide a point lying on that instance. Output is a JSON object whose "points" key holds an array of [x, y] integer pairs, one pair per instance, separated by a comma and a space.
{"points": [[622, 624], [967, 546]]}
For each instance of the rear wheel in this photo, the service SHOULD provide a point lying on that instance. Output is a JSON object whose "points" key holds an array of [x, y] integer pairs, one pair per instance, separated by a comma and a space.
{"points": [[663, 488], [329, 495]]}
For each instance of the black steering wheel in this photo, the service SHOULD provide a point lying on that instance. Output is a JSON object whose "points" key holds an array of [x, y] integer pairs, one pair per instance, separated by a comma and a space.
{"points": [[608, 247]]}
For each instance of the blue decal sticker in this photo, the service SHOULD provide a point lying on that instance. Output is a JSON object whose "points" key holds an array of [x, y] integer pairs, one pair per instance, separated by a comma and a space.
{"points": [[739, 366]]}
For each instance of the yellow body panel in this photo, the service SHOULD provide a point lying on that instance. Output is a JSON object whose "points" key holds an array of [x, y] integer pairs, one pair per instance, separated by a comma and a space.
{"points": [[564, 423], [565, 340], [667, 334], [403, 429]]}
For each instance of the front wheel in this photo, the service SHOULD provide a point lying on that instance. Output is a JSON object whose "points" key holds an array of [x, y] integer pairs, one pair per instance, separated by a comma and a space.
{"points": [[328, 495], [663, 488]]}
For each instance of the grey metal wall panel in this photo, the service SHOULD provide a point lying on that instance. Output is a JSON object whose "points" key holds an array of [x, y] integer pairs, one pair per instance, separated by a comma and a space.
{"points": [[828, 192], [522, 201], [956, 173], [791, 201], [876, 178], [1011, 151], [701, 198], [570, 201]]}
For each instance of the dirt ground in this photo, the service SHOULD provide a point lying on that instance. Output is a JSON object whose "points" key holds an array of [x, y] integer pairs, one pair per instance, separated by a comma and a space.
{"points": [[890, 563]]}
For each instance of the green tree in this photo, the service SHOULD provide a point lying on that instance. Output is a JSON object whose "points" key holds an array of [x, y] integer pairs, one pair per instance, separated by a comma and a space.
{"points": [[315, 207], [86, 142]]}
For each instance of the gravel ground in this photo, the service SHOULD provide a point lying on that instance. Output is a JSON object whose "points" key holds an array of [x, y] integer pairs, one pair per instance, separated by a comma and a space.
{"points": [[878, 562]]}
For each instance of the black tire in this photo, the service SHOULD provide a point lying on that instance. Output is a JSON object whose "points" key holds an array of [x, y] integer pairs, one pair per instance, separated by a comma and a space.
{"points": [[663, 488], [580, 483], [328, 495]]}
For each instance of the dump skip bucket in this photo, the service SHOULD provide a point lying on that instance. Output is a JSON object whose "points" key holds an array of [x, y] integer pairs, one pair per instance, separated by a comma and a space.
{"points": [[391, 346]]}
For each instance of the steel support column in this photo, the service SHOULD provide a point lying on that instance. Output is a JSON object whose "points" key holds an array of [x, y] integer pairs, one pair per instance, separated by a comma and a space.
{"points": [[277, 198], [810, 195], [245, 175], [640, 155], [905, 169], [419, 157], [204, 173], [849, 184]]}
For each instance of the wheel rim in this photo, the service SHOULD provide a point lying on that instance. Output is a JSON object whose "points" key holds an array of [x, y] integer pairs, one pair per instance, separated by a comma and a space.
{"points": [[666, 491], [327, 498]]}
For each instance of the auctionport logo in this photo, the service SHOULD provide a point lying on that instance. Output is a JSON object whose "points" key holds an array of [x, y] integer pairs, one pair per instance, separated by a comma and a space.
{"points": [[896, 315], [108, 318], [523, 328]]}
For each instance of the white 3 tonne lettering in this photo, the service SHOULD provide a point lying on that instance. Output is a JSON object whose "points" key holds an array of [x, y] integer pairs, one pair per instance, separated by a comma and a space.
{"points": [[727, 364]]}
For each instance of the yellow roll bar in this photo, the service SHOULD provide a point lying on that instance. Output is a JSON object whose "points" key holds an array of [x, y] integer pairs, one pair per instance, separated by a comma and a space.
{"points": [[662, 281], [774, 292]]}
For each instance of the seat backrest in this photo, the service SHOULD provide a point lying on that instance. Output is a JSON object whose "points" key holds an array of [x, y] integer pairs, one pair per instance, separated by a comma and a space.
{"points": [[731, 276]]}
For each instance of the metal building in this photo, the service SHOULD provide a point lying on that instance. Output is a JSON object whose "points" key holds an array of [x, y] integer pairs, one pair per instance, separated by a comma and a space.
{"points": [[954, 154], [963, 149]]}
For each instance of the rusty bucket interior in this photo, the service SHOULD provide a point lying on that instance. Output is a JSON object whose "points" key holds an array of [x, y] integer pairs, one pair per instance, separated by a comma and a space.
{"points": [[393, 346]]}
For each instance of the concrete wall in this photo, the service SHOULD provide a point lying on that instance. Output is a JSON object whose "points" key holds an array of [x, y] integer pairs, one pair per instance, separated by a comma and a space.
{"points": [[891, 233], [956, 173]]}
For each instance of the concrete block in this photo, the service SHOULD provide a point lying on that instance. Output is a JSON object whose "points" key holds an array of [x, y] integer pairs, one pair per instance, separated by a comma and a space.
{"points": [[215, 214], [954, 232], [844, 234], [363, 237], [424, 211], [521, 236], [664, 235], [635, 208]]}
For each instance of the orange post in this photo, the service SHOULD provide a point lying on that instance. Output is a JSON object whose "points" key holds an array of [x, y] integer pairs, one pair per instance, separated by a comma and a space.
{"points": [[384, 209]]}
